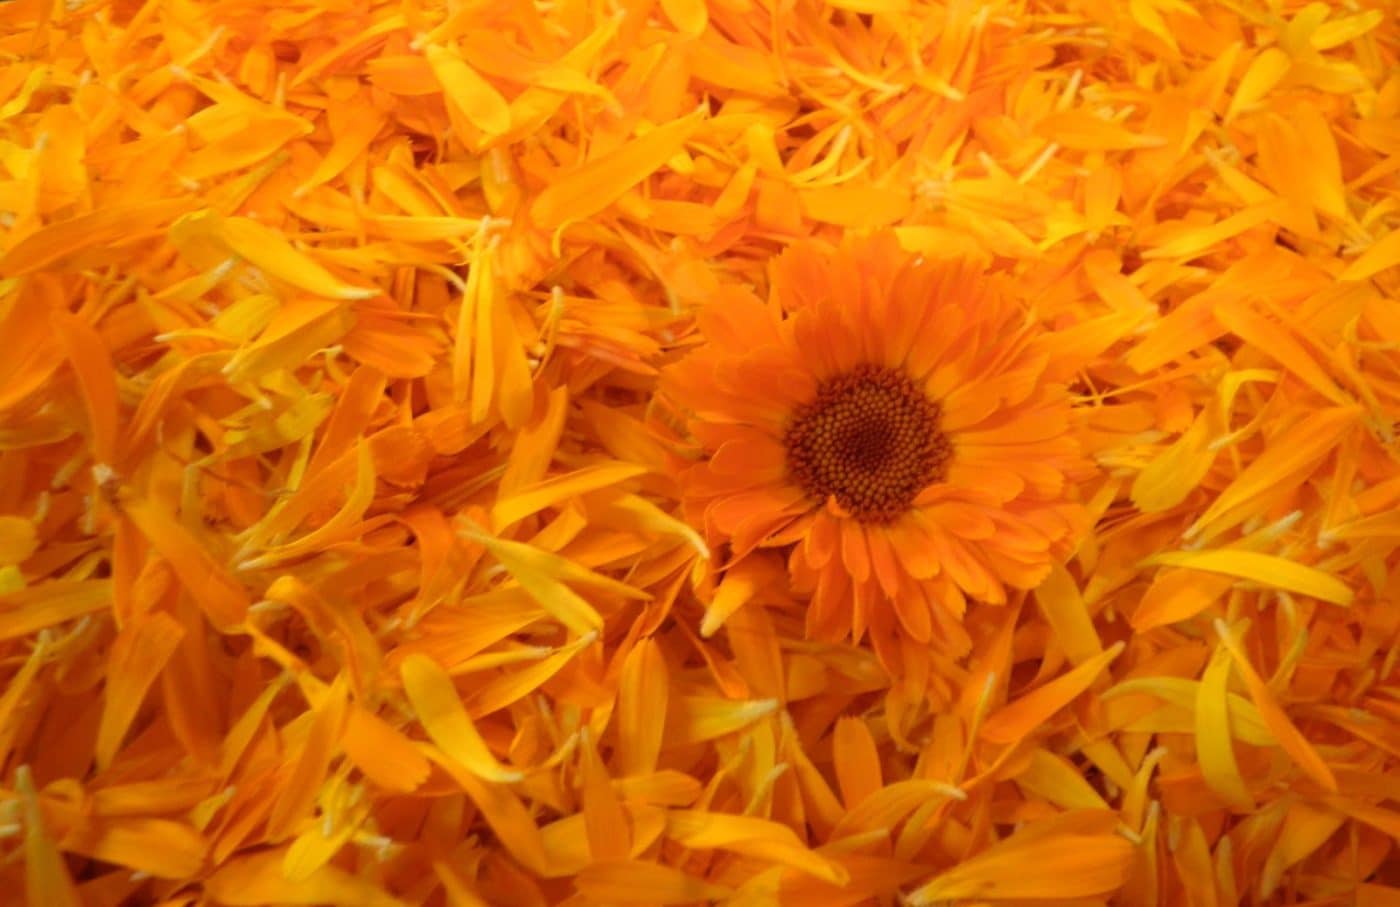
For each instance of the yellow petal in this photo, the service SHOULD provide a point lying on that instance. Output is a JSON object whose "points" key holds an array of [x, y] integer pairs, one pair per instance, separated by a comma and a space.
{"points": [[484, 50], [342, 627], [27, 610], [310, 764], [737, 587], [535, 445], [1147, 15], [1345, 30], [689, 16], [1378, 817], [1215, 748], [1056, 780], [434, 699], [339, 51], [107, 226], [1245, 721], [476, 99], [750, 836], [1383, 253], [1188, 240], [35, 354], [543, 575], [697, 718], [18, 540], [1175, 472], [295, 332], [509, 688], [553, 491], [566, 840], [1264, 72], [480, 291], [563, 603], [258, 142], [1264, 569], [268, 250], [1064, 609], [631, 511], [663, 788], [1289, 737], [885, 807], [749, 70], [341, 525], [455, 887], [314, 848], [46, 879], [873, 7]]}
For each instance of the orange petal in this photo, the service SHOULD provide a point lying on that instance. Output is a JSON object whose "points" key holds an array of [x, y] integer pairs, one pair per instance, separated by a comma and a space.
{"points": [[97, 378], [1290, 454], [1021, 716], [385, 756], [857, 761], [258, 879], [641, 708], [1178, 594], [1289, 737], [310, 764], [600, 182], [638, 882], [46, 878], [1056, 868], [605, 823], [138, 655]]}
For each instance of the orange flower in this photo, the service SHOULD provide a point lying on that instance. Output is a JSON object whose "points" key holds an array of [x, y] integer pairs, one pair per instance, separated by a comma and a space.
{"points": [[892, 420]]}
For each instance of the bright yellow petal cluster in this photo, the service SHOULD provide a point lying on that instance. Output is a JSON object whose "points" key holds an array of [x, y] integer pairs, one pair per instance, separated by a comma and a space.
{"points": [[645, 452]]}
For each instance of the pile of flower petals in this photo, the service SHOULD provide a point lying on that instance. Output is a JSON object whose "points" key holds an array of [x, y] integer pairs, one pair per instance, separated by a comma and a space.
{"points": [[341, 554]]}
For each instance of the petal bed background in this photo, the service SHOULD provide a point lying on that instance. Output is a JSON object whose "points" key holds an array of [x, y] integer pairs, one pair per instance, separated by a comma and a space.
{"points": [[607, 452]]}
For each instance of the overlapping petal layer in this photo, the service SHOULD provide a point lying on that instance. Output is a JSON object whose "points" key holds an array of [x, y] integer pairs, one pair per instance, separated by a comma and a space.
{"points": [[346, 555]]}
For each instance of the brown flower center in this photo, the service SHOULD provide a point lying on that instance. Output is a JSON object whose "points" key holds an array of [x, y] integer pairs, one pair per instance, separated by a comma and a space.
{"points": [[870, 439]]}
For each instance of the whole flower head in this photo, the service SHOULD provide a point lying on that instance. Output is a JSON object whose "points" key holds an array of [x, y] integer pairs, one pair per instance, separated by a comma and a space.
{"points": [[898, 424]]}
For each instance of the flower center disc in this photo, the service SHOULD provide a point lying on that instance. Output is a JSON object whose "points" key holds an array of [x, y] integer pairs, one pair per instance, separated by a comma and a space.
{"points": [[870, 439]]}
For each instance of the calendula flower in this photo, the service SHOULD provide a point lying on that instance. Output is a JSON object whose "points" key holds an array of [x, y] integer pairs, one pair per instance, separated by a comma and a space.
{"points": [[887, 418]]}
